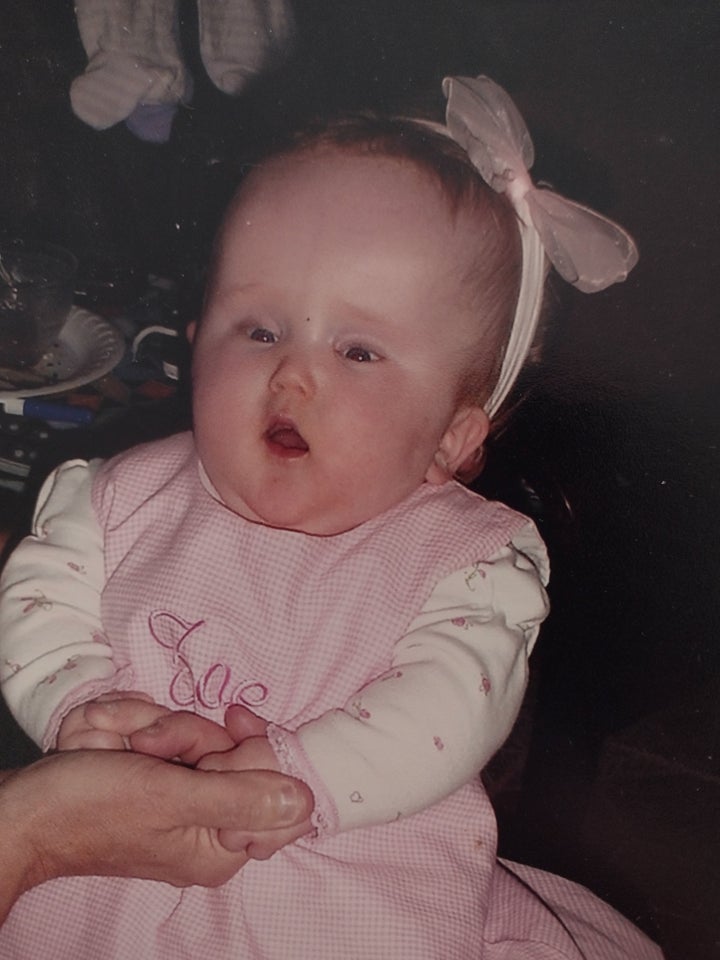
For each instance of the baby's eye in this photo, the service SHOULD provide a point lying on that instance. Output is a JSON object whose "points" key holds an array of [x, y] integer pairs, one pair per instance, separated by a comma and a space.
{"points": [[262, 335], [360, 354]]}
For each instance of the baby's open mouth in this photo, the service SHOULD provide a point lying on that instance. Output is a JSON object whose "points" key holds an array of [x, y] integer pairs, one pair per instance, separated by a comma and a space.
{"points": [[284, 438]]}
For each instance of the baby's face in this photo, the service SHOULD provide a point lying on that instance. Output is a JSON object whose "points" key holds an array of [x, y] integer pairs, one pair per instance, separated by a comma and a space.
{"points": [[338, 325]]}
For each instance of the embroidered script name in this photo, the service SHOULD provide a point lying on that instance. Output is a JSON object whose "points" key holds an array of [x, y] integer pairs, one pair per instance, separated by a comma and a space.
{"points": [[212, 686]]}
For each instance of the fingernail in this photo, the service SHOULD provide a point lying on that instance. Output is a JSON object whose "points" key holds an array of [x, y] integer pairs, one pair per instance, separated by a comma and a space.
{"points": [[107, 706], [289, 803]]}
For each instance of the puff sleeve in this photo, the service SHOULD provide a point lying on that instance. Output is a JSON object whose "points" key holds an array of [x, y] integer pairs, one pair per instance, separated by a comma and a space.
{"points": [[52, 645]]}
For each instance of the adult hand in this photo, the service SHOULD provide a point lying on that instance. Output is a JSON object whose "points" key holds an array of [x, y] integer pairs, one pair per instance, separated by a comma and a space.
{"points": [[124, 814], [253, 752], [240, 746], [77, 732], [153, 729]]}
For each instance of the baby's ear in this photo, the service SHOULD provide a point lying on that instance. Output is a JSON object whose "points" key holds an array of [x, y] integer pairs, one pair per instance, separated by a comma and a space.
{"points": [[463, 438]]}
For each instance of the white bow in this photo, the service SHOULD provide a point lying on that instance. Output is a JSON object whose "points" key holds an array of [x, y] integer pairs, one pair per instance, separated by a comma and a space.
{"points": [[586, 249]]}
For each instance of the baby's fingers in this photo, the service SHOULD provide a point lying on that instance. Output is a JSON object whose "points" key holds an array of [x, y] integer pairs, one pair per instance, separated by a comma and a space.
{"points": [[158, 731], [92, 740], [123, 715], [223, 760], [255, 753], [77, 732], [100, 740], [261, 846], [183, 735], [242, 723]]}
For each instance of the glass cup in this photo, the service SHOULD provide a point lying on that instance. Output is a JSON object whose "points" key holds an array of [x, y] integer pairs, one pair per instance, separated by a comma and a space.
{"points": [[37, 282]]}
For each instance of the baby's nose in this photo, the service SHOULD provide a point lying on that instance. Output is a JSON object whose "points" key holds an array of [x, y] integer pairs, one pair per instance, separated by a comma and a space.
{"points": [[294, 372]]}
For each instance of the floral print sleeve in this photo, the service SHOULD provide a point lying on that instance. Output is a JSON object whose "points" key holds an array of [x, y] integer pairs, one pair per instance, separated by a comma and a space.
{"points": [[434, 719], [51, 639]]}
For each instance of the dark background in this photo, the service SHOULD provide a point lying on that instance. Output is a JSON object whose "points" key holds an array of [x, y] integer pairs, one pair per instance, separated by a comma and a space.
{"points": [[613, 775]]}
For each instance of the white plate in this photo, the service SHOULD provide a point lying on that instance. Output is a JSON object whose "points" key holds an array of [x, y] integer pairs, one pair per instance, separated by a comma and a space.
{"points": [[87, 348]]}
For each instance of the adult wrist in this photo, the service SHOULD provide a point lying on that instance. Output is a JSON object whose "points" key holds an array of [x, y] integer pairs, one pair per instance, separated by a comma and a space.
{"points": [[21, 866]]}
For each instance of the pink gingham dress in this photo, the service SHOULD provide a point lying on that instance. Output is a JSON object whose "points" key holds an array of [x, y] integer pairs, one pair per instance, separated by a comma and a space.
{"points": [[204, 609]]}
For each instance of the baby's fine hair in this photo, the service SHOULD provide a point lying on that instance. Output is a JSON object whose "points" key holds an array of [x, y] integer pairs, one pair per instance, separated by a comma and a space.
{"points": [[494, 268]]}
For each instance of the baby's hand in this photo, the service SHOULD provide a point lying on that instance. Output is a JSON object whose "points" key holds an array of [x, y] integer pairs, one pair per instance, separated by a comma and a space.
{"points": [[78, 732], [195, 740], [255, 753], [252, 753], [250, 750]]}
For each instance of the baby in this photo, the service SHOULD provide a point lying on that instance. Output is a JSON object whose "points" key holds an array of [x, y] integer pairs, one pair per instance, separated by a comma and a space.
{"points": [[306, 554]]}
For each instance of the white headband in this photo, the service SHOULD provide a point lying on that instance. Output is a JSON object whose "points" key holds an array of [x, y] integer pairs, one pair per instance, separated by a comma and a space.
{"points": [[586, 249]]}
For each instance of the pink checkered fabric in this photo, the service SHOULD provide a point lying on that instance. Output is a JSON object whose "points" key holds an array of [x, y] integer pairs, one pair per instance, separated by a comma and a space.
{"points": [[210, 609]]}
